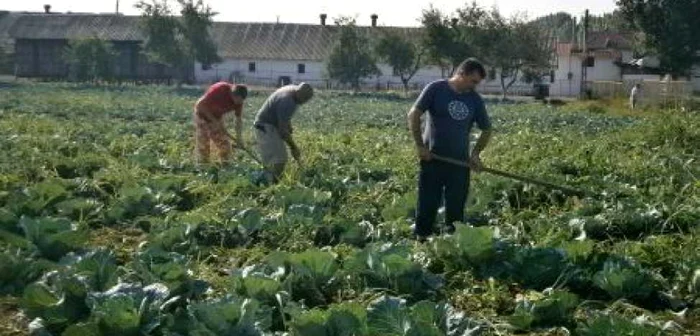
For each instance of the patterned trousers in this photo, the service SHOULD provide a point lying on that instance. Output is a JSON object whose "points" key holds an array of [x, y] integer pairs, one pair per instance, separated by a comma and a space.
{"points": [[208, 134]]}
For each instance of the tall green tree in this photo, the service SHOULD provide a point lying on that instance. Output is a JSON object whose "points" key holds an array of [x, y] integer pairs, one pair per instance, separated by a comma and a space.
{"points": [[611, 22], [514, 47], [403, 53], [178, 41], [351, 58], [671, 30], [89, 59], [445, 40]]}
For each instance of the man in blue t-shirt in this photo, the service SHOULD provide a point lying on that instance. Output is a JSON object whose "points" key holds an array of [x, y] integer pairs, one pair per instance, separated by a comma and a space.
{"points": [[453, 107]]}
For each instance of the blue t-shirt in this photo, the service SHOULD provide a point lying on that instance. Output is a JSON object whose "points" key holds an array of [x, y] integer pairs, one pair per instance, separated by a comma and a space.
{"points": [[450, 118]]}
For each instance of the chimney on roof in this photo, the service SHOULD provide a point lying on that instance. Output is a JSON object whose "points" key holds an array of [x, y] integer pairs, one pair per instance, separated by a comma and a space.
{"points": [[47, 9], [323, 19], [374, 19]]}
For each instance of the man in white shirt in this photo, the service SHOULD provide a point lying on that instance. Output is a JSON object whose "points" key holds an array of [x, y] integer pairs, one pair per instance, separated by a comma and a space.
{"points": [[634, 95]]}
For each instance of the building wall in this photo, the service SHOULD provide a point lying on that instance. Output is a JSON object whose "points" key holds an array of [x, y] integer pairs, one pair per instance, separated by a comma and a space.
{"points": [[567, 77], [44, 58], [604, 69], [40, 58], [268, 73]]}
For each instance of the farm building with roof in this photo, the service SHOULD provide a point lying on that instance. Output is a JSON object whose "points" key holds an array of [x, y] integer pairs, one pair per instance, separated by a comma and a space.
{"points": [[270, 54], [279, 53], [255, 53], [40, 40]]}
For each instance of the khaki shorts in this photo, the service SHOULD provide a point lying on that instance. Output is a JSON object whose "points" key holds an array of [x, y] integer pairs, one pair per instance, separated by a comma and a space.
{"points": [[273, 150]]}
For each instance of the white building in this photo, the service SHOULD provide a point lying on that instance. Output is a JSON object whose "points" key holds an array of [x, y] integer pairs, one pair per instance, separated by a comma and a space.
{"points": [[606, 54], [278, 53], [271, 54], [608, 58]]}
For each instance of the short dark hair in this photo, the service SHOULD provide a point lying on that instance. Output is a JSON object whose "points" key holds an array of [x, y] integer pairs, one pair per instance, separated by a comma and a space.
{"points": [[470, 66], [240, 90]]}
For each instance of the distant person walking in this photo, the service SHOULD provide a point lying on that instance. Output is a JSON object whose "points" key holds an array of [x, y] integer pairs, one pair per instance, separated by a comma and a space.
{"points": [[634, 95], [273, 128], [220, 99]]}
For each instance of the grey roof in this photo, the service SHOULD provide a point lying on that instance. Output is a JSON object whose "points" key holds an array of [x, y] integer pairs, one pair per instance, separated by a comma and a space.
{"points": [[281, 40], [273, 41], [76, 26], [609, 40], [238, 40], [7, 19]]}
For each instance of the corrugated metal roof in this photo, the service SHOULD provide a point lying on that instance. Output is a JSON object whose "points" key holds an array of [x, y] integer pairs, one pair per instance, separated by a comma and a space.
{"points": [[76, 26], [273, 41], [234, 40]]}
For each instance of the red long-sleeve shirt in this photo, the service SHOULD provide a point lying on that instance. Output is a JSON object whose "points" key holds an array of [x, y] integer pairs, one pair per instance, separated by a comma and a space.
{"points": [[217, 101]]}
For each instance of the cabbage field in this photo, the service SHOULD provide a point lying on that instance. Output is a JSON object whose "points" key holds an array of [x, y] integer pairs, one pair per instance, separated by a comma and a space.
{"points": [[107, 227]]}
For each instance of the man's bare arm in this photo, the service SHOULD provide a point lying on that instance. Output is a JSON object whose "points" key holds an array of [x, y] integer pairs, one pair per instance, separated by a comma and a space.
{"points": [[482, 142], [285, 130], [414, 125]]}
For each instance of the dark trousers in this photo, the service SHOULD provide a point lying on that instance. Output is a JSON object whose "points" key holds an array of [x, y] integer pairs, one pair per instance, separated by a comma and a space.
{"points": [[438, 181]]}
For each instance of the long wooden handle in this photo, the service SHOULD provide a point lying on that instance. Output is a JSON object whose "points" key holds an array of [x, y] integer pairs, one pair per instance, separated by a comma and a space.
{"points": [[240, 146], [567, 190]]}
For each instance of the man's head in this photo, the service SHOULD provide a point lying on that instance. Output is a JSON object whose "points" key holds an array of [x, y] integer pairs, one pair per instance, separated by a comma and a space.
{"points": [[638, 85], [239, 93], [468, 75], [303, 93]]}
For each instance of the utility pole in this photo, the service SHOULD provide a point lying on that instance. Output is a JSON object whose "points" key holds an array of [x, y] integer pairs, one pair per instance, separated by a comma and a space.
{"points": [[116, 11], [584, 61]]}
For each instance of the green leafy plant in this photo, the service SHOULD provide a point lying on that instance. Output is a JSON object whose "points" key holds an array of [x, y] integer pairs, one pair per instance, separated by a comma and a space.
{"points": [[130, 309], [609, 325], [18, 269], [347, 319], [390, 316], [389, 266], [555, 309], [228, 316], [53, 238], [621, 279], [468, 247], [169, 268]]}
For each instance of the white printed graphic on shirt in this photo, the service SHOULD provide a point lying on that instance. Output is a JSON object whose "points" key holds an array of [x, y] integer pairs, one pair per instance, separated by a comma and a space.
{"points": [[458, 110]]}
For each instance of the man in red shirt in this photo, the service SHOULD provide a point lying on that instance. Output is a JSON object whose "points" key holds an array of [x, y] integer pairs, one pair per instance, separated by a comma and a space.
{"points": [[220, 99]]}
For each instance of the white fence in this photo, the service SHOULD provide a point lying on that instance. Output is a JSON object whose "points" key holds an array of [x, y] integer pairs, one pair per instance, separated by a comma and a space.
{"points": [[653, 92]]}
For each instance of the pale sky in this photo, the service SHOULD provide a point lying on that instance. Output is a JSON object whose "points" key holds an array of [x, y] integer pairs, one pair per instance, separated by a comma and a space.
{"points": [[395, 12]]}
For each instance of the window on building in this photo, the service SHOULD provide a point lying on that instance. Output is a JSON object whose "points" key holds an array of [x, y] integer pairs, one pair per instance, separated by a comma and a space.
{"points": [[301, 68], [590, 61], [206, 66], [552, 78], [251, 67]]}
